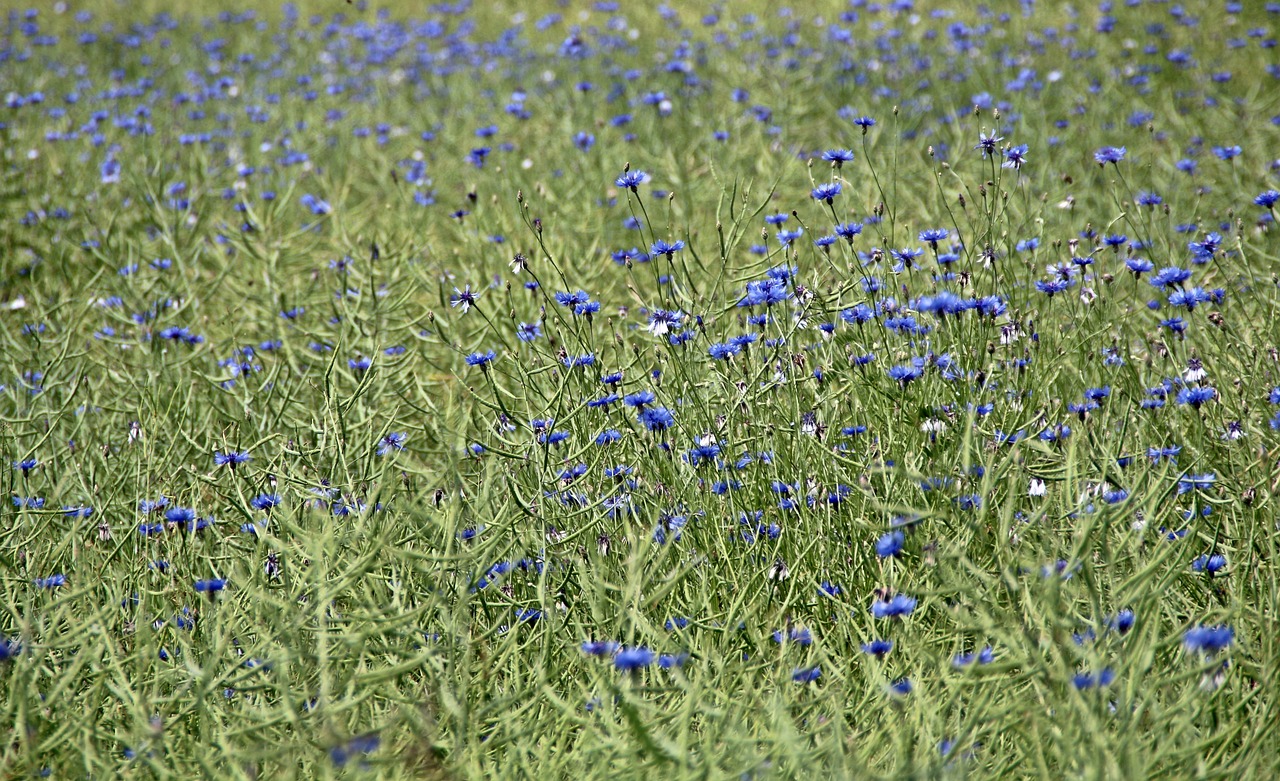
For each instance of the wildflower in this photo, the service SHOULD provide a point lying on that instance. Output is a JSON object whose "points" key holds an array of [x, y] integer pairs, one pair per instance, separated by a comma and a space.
{"points": [[527, 332], [806, 674], [1196, 396], [264, 501], [1015, 157], [987, 143], [1268, 199], [633, 659], [180, 515], [365, 744], [1208, 640], [1121, 622], [904, 375], [894, 607], [1109, 154], [656, 418], [1098, 680], [1210, 564], [933, 236], [631, 179], [661, 321], [51, 582], [985, 656], [393, 441], [481, 359], [231, 459], [669, 249], [838, 157], [210, 586], [890, 544], [878, 648], [464, 299], [826, 192], [599, 647], [1196, 482]]}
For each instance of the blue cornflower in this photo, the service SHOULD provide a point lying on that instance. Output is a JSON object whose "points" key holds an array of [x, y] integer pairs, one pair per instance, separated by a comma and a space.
{"points": [[656, 418], [894, 607], [364, 744], [599, 647], [1196, 482], [786, 237], [481, 359], [231, 459], [150, 506], [838, 157], [765, 292], [632, 659], [264, 501], [985, 656], [390, 442], [52, 581], [668, 661], [9, 648], [1196, 396], [1268, 199], [1052, 287], [182, 515], [904, 375], [1170, 277], [987, 143], [639, 399], [527, 332], [1189, 299], [669, 249], [806, 674], [878, 648], [1210, 564], [1208, 640], [826, 192], [26, 465], [1121, 622], [210, 586], [890, 544], [934, 235], [572, 300], [1139, 266], [1109, 154], [528, 615], [1102, 678], [723, 351], [1015, 157], [631, 179], [464, 299], [847, 230]]}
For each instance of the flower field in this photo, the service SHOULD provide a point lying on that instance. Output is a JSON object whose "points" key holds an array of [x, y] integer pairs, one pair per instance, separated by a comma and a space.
{"points": [[849, 390]]}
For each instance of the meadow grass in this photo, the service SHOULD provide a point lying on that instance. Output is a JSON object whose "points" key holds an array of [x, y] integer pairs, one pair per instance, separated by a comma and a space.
{"points": [[854, 391]]}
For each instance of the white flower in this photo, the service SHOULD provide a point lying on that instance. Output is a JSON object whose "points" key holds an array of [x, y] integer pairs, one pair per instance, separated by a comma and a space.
{"points": [[1037, 487]]}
